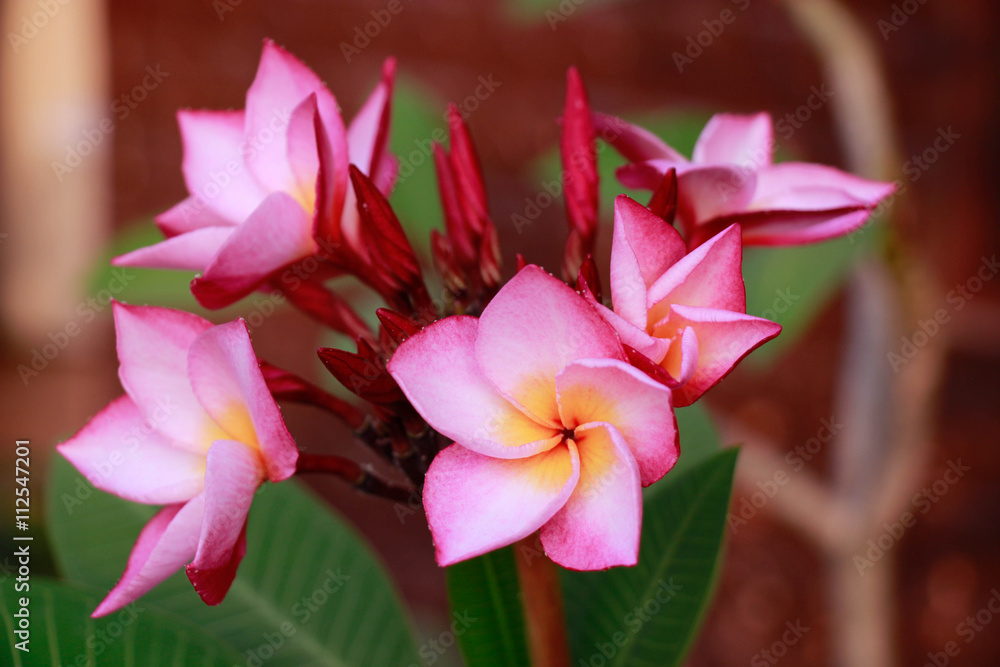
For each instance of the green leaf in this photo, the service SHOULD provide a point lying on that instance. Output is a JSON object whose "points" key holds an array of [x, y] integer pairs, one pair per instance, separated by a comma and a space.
{"points": [[649, 614], [487, 589], [309, 591], [62, 632]]}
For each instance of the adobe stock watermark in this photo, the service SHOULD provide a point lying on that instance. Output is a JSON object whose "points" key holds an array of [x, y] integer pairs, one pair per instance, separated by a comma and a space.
{"points": [[956, 299], [704, 39], [796, 459], [634, 620], [913, 169], [435, 647], [248, 149], [223, 7], [921, 503], [121, 107], [562, 12], [773, 654], [86, 312], [786, 126], [784, 299], [901, 13], [101, 640], [31, 25], [424, 148], [552, 190], [365, 34], [303, 611], [967, 629], [127, 451]]}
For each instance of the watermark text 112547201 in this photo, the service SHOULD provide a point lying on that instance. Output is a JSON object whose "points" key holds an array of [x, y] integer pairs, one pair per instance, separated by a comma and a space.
{"points": [[22, 551]]}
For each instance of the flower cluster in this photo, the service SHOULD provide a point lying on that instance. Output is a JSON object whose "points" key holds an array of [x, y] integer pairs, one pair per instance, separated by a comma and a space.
{"points": [[516, 407]]}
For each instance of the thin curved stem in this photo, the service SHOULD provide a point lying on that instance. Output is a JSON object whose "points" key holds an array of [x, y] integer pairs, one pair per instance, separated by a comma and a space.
{"points": [[354, 473]]}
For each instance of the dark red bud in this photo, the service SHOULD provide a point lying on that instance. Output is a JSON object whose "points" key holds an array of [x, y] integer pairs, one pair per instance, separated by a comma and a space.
{"points": [[664, 201], [365, 377], [399, 327], [588, 280]]}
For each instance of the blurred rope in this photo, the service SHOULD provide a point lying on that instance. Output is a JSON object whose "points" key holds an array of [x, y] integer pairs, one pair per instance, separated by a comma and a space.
{"points": [[882, 454]]}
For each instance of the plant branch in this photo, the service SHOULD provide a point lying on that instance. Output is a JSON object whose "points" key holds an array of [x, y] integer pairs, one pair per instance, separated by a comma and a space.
{"points": [[354, 473], [543, 605]]}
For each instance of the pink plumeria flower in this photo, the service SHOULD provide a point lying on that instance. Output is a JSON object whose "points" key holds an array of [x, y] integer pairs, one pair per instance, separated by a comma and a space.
{"points": [[269, 184], [731, 179], [684, 311], [553, 429], [197, 431]]}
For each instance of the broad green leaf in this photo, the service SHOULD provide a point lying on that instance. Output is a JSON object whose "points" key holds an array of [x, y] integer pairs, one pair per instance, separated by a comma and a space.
{"points": [[485, 599], [648, 615], [309, 591], [61, 632]]}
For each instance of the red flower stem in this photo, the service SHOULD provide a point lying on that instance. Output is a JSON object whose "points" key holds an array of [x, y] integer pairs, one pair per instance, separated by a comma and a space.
{"points": [[352, 472], [543, 605], [286, 386]]}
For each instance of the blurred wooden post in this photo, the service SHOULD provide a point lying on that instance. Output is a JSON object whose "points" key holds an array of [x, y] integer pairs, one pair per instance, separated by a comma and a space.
{"points": [[55, 166]]}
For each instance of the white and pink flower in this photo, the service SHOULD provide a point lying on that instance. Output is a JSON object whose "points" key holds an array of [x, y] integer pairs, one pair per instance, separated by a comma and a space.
{"points": [[268, 185], [554, 430], [196, 431], [731, 178], [684, 311]]}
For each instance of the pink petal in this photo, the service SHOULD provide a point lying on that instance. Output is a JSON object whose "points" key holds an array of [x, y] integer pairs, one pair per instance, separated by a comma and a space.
{"points": [[710, 276], [189, 215], [226, 377], [633, 142], [368, 133], [386, 173], [122, 453], [633, 336], [281, 84], [681, 360], [605, 390], [531, 329], [214, 168], [303, 153], [152, 350], [167, 542], [777, 228], [810, 187], [277, 234], [600, 524], [747, 141], [232, 476], [191, 251], [724, 338], [437, 370], [704, 191], [644, 246], [477, 503]]}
